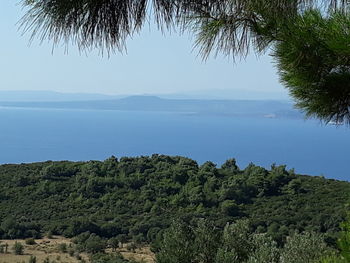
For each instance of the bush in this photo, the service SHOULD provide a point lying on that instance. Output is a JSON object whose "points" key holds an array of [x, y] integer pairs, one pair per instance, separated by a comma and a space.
{"points": [[18, 248], [113, 243], [131, 247], [49, 235], [90, 243], [32, 259], [62, 247], [30, 241], [71, 252], [77, 256], [306, 247], [94, 244], [236, 243]]}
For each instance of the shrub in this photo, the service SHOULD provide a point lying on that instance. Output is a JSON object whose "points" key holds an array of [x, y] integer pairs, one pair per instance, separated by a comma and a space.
{"points": [[131, 247], [32, 259], [49, 234], [71, 252], [30, 241], [18, 248], [62, 247], [113, 243], [94, 244], [305, 247]]}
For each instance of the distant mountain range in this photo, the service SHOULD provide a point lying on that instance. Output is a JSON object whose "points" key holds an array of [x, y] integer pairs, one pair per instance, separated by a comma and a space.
{"points": [[257, 108]]}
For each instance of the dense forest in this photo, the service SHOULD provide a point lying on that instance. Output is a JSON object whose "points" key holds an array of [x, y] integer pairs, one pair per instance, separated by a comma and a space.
{"points": [[137, 199]]}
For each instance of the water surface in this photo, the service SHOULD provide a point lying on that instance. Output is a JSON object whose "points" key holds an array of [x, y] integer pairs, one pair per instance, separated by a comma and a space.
{"points": [[31, 135]]}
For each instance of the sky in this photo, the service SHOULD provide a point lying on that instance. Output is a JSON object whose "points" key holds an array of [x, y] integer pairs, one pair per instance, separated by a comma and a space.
{"points": [[154, 64]]}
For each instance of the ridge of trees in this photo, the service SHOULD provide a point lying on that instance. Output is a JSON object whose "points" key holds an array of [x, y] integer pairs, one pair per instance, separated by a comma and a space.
{"points": [[137, 198]]}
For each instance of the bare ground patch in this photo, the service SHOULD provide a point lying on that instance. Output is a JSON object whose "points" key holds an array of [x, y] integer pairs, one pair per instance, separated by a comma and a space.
{"points": [[46, 248]]}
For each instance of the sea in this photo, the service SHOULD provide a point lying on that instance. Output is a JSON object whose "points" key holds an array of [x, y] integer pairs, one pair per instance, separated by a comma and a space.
{"points": [[308, 146]]}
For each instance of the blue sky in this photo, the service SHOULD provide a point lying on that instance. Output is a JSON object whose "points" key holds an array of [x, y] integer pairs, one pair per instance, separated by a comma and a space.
{"points": [[154, 64]]}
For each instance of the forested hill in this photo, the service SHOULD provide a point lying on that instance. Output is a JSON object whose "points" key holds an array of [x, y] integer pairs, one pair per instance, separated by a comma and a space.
{"points": [[137, 198]]}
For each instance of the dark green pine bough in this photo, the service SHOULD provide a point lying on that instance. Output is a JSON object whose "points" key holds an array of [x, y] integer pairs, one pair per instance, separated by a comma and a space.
{"points": [[309, 39]]}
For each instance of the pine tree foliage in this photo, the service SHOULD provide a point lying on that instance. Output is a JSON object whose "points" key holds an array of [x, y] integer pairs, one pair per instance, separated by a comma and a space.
{"points": [[314, 63], [107, 23]]}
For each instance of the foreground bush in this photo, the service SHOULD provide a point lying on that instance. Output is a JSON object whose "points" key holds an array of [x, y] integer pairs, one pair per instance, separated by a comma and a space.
{"points": [[18, 248], [205, 243]]}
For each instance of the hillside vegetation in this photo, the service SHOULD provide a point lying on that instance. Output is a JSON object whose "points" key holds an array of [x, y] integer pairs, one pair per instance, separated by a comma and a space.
{"points": [[137, 198]]}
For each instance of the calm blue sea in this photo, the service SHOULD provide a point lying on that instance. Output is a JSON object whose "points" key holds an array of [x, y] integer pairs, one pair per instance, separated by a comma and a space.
{"points": [[30, 135]]}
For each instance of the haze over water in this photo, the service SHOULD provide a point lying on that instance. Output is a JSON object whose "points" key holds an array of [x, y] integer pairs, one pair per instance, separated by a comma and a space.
{"points": [[30, 135]]}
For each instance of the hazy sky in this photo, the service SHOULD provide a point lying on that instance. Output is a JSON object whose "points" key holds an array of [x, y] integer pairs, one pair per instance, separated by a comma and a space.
{"points": [[154, 64]]}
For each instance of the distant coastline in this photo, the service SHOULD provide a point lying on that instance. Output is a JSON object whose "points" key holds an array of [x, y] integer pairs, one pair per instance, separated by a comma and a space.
{"points": [[233, 108]]}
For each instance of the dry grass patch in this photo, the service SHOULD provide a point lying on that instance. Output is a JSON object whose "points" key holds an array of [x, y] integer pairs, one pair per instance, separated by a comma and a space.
{"points": [[49, 248], [42, 249], [143, 254]]}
